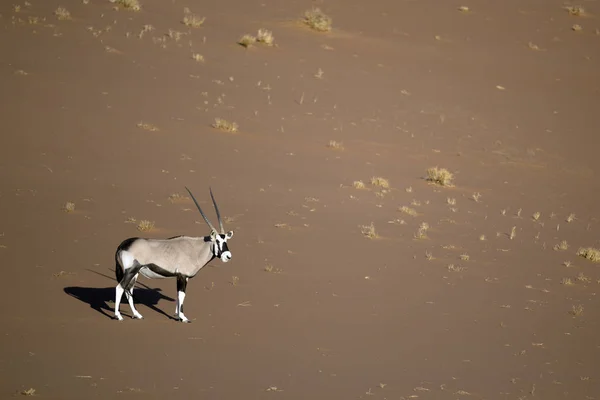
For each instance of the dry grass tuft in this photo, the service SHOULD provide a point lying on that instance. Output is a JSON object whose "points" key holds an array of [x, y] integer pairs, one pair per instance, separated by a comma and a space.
{"points": [[465, 257], [335, 145], [407, 210], [440, 176], [225, 126], [69, 207], [145, 225], [422, 231], [536, 216], [567, 282], [577, 310], [235, 280], [571, 217], [133, 5], [147, 127], [198, 57], [455, 268], [561, 246], [513, 233], [28, 392], [582, 278], [589, 253], [62, 13], [358, 185], [192, 20], [265, 37], [576, 11], [369, 231], [381, 182], [317, 20], [577, 28], [246, 41], [271, 269]]}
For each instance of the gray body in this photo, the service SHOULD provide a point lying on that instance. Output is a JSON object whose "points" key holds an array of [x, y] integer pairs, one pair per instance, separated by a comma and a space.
{"points": [[179, 257]]}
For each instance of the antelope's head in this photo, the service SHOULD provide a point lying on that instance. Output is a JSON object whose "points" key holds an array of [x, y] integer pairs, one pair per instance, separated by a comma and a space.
{"points": [[218, 240]]}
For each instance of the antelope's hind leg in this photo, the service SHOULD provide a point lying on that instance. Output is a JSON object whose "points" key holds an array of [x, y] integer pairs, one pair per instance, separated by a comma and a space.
{"points": [[131, 268], [129, 295]]}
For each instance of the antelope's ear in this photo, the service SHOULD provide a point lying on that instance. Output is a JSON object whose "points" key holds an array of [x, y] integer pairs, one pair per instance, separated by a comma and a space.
{"points": [[213, 235], [229, 234]]}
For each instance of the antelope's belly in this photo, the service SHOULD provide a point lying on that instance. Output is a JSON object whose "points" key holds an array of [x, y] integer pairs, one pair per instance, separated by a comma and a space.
{"points": [[148, 273]]}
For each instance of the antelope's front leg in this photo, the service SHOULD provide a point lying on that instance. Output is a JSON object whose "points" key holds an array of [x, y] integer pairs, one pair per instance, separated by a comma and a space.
{"points": [[181, 286]]}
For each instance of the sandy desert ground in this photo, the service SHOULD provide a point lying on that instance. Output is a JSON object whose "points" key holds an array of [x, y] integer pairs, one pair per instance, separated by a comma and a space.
{"points": [[353, 276]]}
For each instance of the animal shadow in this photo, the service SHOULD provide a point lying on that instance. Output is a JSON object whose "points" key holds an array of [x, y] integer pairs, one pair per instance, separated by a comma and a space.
{"points": [[99, 298]]}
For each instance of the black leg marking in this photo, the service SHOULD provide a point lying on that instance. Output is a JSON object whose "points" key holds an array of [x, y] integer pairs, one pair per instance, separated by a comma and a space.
{"points": [[129, 274], [181, 286]]}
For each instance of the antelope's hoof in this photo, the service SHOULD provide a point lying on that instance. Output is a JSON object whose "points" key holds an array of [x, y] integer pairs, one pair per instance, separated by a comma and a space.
{"points": [[137, 316], [119, 317]]}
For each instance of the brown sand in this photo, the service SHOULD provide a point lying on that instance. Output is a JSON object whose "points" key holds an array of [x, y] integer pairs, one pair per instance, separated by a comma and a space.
{"points": [[406, 85]]}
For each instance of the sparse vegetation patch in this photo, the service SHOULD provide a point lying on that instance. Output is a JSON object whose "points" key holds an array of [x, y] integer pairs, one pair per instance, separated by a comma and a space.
{"points": [[358, 185], [69, 207], [247, 40], [192, 20], [369, 231], [407, 210], [589, 253], [133, 5], [62, 13], [265, 37], [225, 126], [317, 20], [145, 225], [440, 176], [335, 145], [381, 182]]}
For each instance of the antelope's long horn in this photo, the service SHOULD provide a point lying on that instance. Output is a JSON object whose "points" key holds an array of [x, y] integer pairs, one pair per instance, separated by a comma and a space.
{"points": [[217, 210], [200, 209]]}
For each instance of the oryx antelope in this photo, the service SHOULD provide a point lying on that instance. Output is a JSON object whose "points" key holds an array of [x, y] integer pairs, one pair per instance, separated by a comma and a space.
{"points": [[179, 257]]}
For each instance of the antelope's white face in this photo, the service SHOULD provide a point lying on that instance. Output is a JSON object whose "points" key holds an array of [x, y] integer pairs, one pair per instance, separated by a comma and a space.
{"points": [[220, 249]]}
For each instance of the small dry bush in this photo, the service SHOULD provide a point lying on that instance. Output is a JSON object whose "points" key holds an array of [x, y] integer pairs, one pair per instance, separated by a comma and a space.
{"points": [[335, 145], [358, 185], [317, 20], [192, 20], [381, 182], [145, 225], [133, 5], [589, 253], [62, 13], [577, 310], [561, 246], [69, 207], [265, 37], [422, 231], [407, 210], [198, 57], [247, 41], [576, 11], [369, 231], [567, 282], [147, 127], [440, 176], [225, 126]]}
